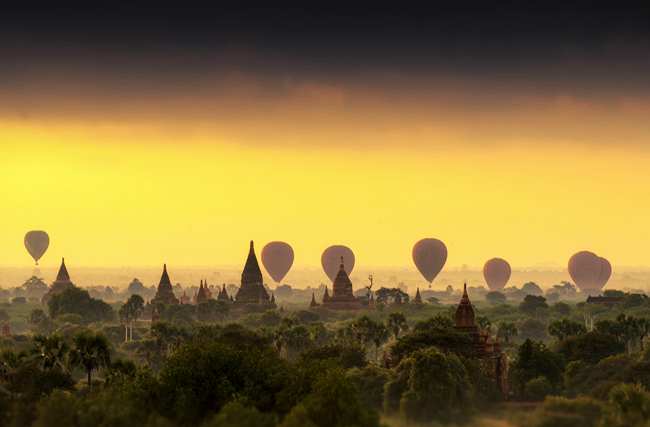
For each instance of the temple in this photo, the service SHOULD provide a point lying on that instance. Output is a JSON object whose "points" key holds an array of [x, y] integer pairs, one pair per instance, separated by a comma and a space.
{"points": [[165, 294], [61, 283], [6, 330], [202, 295], [342, 298], [223, 295], [418, 297], [482, 345], [252, 290]]}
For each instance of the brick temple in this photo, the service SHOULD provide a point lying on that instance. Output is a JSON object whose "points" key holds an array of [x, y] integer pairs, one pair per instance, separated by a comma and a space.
{"points": [[342, 298], [61, 283], [252, 290], [165, 294]]}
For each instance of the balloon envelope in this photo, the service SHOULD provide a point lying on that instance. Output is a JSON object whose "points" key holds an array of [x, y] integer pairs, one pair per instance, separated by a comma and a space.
{"points": [[331, 260], [429, 256], [584, 269], [497, 273], [277, 258], [605, 273], [37, 243]]}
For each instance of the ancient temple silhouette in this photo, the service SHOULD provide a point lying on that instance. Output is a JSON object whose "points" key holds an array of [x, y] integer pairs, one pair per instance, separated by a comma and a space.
{"points": [[252, 290], [6, 330], [61, 283], [165, 294], [342, 298], [202, 294], [418, 297]]}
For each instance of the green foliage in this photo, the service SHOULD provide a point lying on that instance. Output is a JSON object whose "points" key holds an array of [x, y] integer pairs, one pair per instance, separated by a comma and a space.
{"points": [[306, 317], [396, 322], [533, 329], [531, 303], [632, 300], [78, 301], [71, 318], [237, 414], [534, 360], [91, 351], [565, 328], [506, 330], [561, 308], [630, 406], [590, 379], [443, 339], [334, 402], [562, 412], [532, 288], [538, 388], [34, 287], [387, 295], [438, 321], [495, 298], [590, 347], [370, 382], [203, 377], [436, 387], [50, 351], [347, 356]]}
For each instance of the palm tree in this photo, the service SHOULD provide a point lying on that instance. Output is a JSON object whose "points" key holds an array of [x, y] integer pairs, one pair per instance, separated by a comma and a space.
{"points": [[10, 360], [378, 334], [506, 331], [630, 404], [92, 350], [50, 351], [397, 322], [147, 350]]}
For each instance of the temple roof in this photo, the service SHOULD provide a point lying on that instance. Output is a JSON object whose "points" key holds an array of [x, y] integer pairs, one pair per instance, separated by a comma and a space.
{"points": [[464, 320], [342, 286], [164, 279], [313, 301], [252, 274], [63, 275], [418, 298], [165, 293]]}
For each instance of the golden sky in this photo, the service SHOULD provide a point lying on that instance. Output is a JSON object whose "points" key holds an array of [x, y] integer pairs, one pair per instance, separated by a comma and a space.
{"points": [[189, 177]]}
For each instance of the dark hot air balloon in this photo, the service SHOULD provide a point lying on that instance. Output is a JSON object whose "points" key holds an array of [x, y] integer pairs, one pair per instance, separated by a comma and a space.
{"points": [[429, 256], [37, 243], [331, 260], [497, 273], [277, 258], [584, 269], [605, 273]]}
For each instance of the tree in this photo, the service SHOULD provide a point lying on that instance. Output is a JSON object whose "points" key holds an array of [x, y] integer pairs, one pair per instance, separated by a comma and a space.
{"points": [[34, 287], [35, 316], [590, 347], [483, 322], [565, 328], [495, 298], [50, 352], [533, 329], [531, 288], [221, 310], [370, 382], [91, 351], [438, 321], [506, 330], [561, 308], [533, 361], [630, 405], [397, 323], [565, 290], [538, 388], [531, 303], [78, 301], [136, 287], [632, 300], [388, 295], [445, 340]]}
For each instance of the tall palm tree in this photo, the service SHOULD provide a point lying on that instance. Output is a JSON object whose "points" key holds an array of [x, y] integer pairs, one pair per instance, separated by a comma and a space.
{"points": [[92, 350], [630, 404], [10, 360], [50, 351], [507, 330], [397, 323], [378, 334]]}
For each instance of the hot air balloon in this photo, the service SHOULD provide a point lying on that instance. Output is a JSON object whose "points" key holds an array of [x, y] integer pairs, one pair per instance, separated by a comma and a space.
{"points": [[277, 258], [497, 273], [584, 269], [605, 273], [429, 256], [331, 260], [36, 243]]}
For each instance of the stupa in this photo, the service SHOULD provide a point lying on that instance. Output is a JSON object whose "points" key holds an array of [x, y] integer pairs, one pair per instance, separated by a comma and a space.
{"points": [[342, 298], [61, 283], [418, 297], [202, 295], [252, 290], [6, 330], [165, 294], [223, 295]]}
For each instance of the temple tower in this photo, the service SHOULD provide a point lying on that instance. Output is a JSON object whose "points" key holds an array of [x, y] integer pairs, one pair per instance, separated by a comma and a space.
{"points": [[342, 298], [252, 290], [165, 294], [61, 283]]}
